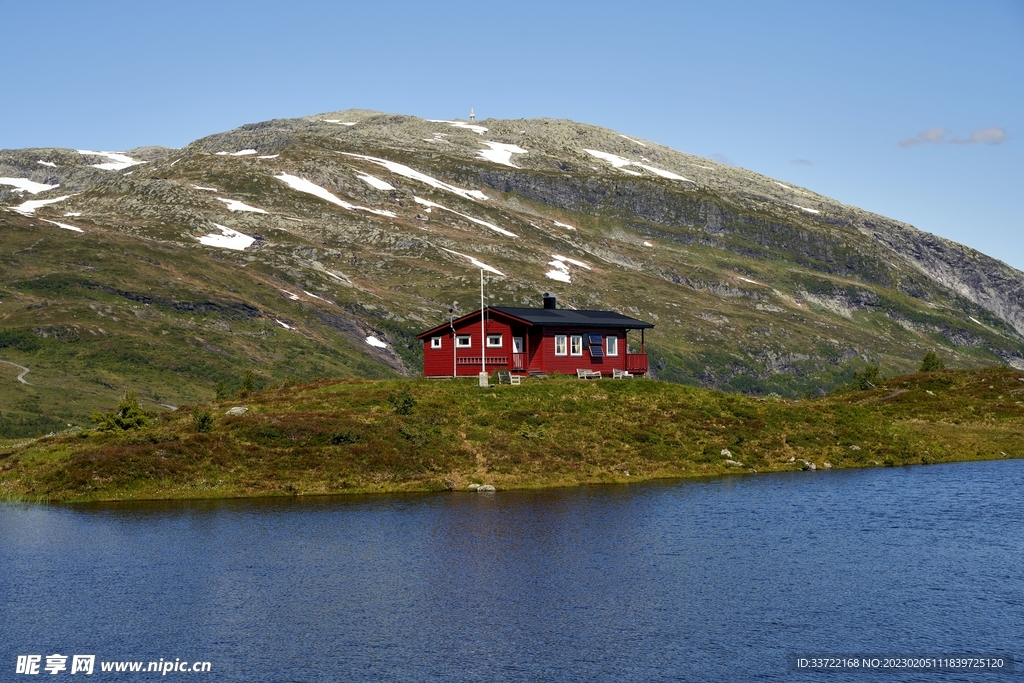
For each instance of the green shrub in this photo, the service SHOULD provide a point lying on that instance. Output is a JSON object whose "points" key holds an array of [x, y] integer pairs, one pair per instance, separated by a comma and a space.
{"points": [[222, 390], [931, 363], [129, 415], [346, 437], [248, 384], [202, 418], [23, 340], [868, 378], [402, 401]]}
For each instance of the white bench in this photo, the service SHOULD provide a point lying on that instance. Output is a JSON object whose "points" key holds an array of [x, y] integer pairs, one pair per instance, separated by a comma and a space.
{"points": [[583, 373], [621, 374]]}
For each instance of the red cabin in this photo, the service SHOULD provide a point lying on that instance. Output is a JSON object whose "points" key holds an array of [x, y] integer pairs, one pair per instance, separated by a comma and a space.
{"points": [[533, 340]]}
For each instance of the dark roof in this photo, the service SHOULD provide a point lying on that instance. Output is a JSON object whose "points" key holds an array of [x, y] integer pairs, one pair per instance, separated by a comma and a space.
{"points": [[553, 317], [565, 316]]}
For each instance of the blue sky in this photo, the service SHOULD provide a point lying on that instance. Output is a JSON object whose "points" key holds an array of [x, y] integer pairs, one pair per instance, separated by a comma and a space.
{"points": [[815, 93]]}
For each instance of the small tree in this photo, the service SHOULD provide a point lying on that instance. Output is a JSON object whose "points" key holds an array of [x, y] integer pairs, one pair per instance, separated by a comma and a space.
{"points": [[248, 384], [129, 415], [931, 363], [202, 419], [222, 390], [869, 378]]}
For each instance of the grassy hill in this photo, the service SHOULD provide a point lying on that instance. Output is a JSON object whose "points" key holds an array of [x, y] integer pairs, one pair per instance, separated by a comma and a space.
{"points": [[348, 436]]}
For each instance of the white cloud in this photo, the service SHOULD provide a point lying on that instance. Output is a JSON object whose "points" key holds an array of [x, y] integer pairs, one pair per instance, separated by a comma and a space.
{"points": [[993, 135]]}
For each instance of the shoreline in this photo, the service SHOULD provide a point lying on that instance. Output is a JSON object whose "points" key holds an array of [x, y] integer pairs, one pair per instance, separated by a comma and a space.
{"points": [[346, 437]]}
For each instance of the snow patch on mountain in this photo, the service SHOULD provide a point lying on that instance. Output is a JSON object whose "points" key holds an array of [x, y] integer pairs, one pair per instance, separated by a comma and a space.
{"points": [[573, 261], [64, 225], [663, 173], [47, 163], [240, 153], [636, 142], [118, 161], [377, 343], [26, 185], [613, 159], [500, 152], [228, 239], [622, 162], [559, 271], [564, 225], [235, 205], [375, 182], [492, 226], [412, 174], [804, 208], [303, 185], [479, 130], [339, 122], [207, 189], [28, 208], [475, 262]]}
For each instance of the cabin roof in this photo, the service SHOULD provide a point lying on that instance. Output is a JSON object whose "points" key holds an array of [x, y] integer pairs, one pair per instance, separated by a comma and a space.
{"points": [[554, 317]]}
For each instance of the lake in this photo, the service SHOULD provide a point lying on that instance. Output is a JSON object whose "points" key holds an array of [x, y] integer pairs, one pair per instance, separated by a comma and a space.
{"points": [[723, 579]]}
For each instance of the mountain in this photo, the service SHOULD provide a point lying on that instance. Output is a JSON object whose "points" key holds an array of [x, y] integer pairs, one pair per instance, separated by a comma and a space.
{"points": [[319, 246]]}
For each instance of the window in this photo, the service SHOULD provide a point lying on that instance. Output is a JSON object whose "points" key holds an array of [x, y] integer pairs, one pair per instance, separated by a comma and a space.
{"points": [[559, 344], [435, 342], [612, 344], [463, 341], [576, 342], [494, 341]]}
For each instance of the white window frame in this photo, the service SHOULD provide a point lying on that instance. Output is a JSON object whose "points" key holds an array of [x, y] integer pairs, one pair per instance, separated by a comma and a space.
{"points": [[491, 337], [611, 345], [561, 345], [576, 345], [435, 342], [464, 341]]}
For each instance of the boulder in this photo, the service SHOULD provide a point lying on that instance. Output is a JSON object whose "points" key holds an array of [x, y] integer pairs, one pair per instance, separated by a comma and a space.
{"points": [[486, 487], [237, 410]]}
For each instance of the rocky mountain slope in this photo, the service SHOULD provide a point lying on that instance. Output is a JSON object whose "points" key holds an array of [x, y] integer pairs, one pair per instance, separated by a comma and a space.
{"points": [[320, 246]]}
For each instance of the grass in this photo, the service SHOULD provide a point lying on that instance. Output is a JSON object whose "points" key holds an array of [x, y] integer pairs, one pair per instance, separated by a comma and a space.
{"points": [[353, 436]]}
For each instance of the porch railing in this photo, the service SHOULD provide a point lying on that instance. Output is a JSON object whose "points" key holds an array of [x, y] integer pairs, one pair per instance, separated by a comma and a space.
{"points": [[518, 361], [475, 360], [636, 362]]}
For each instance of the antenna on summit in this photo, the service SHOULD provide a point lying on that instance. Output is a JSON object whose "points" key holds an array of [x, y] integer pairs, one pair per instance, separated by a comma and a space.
{"points": [[472, 114]]}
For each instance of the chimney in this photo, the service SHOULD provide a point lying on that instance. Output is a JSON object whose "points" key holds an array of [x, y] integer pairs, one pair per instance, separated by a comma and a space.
{"points": [[549, 300]]}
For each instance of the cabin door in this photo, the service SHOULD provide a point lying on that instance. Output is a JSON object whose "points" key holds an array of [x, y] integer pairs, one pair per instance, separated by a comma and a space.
{"points": [[518, 354]]}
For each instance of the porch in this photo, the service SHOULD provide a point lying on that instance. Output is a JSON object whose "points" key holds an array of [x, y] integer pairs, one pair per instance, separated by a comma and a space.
{"points": [[636, 363]]}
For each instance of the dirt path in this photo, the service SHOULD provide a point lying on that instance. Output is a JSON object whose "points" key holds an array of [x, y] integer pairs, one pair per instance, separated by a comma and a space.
{"points": [[21, 375]]}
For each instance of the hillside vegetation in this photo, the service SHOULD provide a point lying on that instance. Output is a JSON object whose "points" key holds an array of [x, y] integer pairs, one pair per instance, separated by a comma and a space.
{"points": [[349, 436], [282, 247]]}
